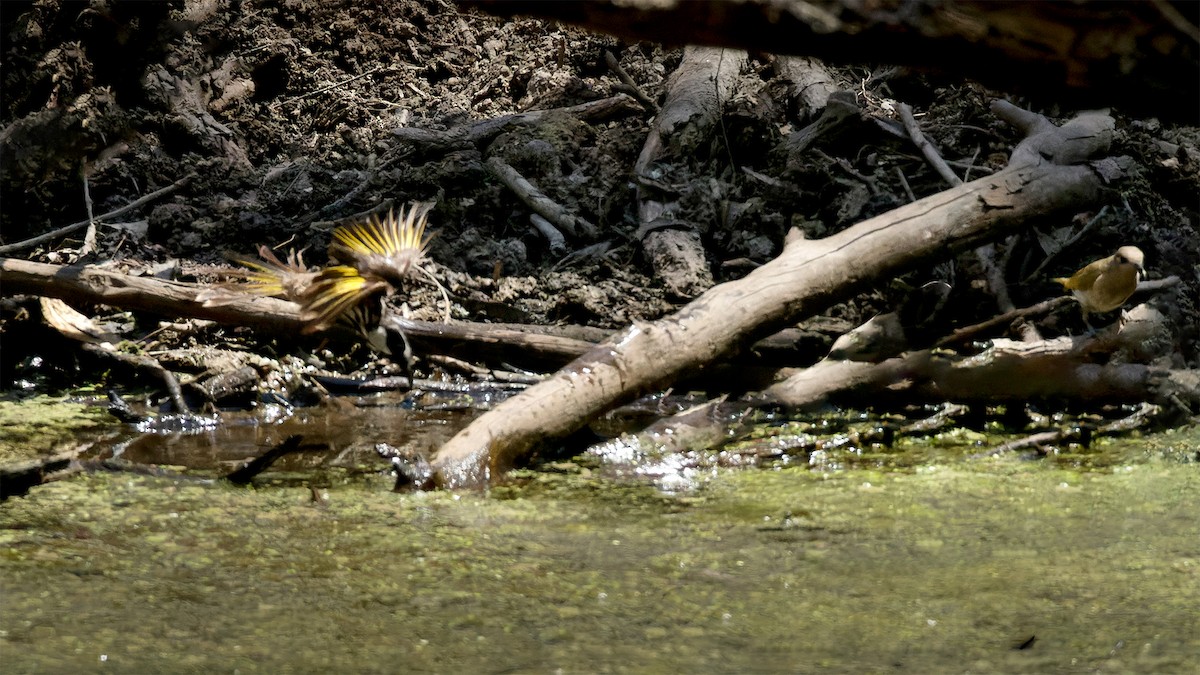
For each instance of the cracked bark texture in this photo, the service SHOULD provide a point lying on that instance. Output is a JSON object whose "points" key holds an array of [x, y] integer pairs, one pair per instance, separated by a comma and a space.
{"points": [[809, 276]]}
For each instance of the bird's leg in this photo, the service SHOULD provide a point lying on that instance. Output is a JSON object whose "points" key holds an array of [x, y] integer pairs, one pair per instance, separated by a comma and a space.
{"points": [[409, 361], [1122, 319], [1091, 330], [377, 340]]}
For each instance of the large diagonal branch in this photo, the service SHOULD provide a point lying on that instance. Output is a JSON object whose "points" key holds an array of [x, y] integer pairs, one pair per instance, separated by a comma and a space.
{"points": [[806, 278]]}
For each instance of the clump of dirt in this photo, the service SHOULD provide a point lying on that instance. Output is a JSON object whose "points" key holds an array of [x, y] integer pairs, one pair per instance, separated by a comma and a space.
{"points": [[289, 115]]}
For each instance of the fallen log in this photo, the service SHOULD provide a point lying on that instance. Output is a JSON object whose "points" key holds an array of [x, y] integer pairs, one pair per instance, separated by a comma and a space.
{"points": [[91, 284], [1077, 368], [537, 346], [1107, 367], [806, 278], [696, 93]]}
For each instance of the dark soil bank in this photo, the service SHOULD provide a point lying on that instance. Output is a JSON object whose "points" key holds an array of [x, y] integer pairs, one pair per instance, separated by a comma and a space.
{"points": [[290, 117]]}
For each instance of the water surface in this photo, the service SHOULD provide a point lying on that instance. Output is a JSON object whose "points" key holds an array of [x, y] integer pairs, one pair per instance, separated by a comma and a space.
{"points": [[947, 566]]}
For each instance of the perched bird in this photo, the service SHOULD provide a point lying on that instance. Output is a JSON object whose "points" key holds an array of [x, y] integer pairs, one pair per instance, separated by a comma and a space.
{"points": [[391, 248], [376, 256], [1105, 285], [269, 277], [293, 280], [374, 260], [333, 293]]}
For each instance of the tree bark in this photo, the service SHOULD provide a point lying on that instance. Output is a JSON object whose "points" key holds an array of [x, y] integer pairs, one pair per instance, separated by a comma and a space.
{"points": [[168, 298], [534, 346], [806, 278], [695, 95]]}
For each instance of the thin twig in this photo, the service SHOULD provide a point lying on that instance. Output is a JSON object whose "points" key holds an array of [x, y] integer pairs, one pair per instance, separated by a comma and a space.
{"points": [[926, 146], [993, 270], [89, 239], [322, 90], [68, 229], [1051, 255], [631, 87], [538, 202], [966, 166], [1035, 440], [968, 332], [971, 164], [445, 296], [907, 188], [1044, 307], [1137, 419]]}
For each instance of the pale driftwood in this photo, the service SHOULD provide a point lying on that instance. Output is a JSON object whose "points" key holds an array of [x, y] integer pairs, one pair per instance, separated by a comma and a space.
{"points": [[696, 91], [806, 278], [1008, 371], [1020, 371], [169, 298], [270, 315]]}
